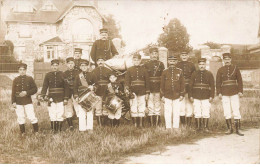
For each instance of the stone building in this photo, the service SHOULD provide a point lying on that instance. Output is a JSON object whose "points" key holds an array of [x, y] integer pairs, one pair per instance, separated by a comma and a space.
{"points": [[47, 29]]}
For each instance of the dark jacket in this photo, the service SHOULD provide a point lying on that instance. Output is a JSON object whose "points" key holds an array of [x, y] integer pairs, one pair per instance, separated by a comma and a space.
{"points": [[154, 69], [172, 83], [23, 83], [229, 81], [202, 85], [69, 77], [78, 86]]}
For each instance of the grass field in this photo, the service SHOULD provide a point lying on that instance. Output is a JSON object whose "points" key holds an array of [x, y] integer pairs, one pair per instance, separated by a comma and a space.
{"points": [[105, 145]]}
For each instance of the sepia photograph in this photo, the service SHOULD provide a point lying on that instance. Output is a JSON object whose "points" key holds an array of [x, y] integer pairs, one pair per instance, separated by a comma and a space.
{"points": [[129, 82]]}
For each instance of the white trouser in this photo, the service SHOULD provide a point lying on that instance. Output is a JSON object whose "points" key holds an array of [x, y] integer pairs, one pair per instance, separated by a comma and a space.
{"points": [[231, 106], [172, 113], [154, 104], [68, 109], [137, 106], [85, 124], [27, 109], [56, 111], [201, 108], [100, 110], [186, 107], [76, 106]]}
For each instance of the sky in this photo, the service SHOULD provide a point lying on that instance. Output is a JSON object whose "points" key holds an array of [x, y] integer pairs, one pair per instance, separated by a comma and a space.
{"points": [[220, 21]]}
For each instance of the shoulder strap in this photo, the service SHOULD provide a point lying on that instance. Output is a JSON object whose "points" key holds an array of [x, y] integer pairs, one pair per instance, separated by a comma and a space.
{"points": [[83, 80]]}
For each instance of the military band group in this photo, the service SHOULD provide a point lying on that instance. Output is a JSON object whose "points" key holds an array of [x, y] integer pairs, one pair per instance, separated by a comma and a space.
{"points": [[91, 90]]}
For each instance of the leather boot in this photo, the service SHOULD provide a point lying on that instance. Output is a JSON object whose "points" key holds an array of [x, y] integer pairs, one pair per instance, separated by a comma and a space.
{"points": [[206, 122], [105, 121], [198, 123], [55, 126], [135, 121], [99, 121], [22, 128], [35, 127], [156, 120], [229, 126], [111, 122], [60, 125], [188, 121], [151, 120], [237, 127], [117, 122], [141, 122], [52, 125]]}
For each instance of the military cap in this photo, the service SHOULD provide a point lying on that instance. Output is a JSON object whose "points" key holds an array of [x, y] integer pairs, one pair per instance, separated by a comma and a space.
{"points": [[226, 55], [55, 61], [103, 30], [182, 53], [84, 61], [69, 59], [153, 49], [77, 50], [22, 65], [172, 58], [202, 60], [137, 56]]}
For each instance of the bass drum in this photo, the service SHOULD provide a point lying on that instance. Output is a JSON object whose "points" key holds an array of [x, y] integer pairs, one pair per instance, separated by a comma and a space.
{"points": [[88, 100]]}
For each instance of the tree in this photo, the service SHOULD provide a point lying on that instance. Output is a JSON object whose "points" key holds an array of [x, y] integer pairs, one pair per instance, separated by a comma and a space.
{"points": [[175, 37], [113, 28], [212, 45]]}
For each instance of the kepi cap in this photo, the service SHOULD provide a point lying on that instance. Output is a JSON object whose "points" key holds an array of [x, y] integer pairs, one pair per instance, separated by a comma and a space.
{"points": [[55, 61]]}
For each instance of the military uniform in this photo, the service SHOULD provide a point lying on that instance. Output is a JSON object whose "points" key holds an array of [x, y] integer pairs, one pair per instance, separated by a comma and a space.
{"points": [[229, 83], [186, 106], [172, 87], [24, 104], [58, 92], [82, 81], [202, 87], [77, 65]]}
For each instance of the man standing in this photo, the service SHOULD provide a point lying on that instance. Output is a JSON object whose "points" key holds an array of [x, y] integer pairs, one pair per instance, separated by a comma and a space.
{"points": [[103, 47], [58, 95], [202, 90], [155, 69], [77, 58], [172, 90], [137, 82], [101, 81], [186, 106], [22, 89], [229, 86]]}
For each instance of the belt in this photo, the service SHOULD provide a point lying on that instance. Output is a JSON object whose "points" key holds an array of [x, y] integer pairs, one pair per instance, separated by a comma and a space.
{"points": [[229, 82], [103, 82], [187, 81], [155, 79], [201, 86], [137, 82], [56, 90]]}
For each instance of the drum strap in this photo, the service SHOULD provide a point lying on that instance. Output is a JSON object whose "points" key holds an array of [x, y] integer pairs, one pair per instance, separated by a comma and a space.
{"points": [[83, 80], [110, 88]]}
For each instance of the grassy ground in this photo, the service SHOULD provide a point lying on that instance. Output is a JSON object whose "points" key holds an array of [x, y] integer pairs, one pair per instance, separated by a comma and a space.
{"points": [[105, 145]]}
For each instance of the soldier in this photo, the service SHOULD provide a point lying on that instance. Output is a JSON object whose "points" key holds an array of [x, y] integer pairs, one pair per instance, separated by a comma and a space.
{"points": [[84, 81], [22, 89], [202, 90], [69, 76], [172, 91], [58, 95], [155, 69], [186, 106], [77, 58], [101, 81], [137, 82], [103, 47], [229, 86]]}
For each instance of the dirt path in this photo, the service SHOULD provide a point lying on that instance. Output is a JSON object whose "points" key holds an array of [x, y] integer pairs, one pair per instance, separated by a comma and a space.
{"points": [[218, 149]]}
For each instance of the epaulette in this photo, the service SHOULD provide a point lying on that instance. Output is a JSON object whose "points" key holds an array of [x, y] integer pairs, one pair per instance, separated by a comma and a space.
{"points": [[178, 69]]}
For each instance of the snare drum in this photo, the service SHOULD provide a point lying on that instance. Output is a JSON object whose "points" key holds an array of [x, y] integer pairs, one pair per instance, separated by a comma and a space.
{"points": [[88, 100], [113, 103]]}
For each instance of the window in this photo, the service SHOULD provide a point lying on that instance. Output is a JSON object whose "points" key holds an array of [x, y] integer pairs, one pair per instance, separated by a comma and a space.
{"points": [[50, 52]]}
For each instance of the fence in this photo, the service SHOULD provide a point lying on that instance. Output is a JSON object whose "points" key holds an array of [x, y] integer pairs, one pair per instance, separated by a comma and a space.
{"points": [[9, 67]]}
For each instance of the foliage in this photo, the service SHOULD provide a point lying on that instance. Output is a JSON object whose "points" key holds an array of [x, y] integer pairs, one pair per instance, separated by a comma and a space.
{"points": [[212, 45], [10, 45], [8, 59], [175, 37]]}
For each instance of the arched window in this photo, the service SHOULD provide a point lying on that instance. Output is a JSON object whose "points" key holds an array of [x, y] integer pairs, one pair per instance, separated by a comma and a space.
{"points": [[82, 31]]}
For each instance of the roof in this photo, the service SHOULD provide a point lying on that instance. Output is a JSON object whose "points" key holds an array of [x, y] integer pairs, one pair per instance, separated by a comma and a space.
{"points": [[39, 16], [53, 41]]}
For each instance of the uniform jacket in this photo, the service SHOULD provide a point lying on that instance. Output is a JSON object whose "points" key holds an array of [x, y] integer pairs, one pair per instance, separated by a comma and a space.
{"points": [[202, 85], [155, 69], [172, 83], [69, 77], [101, 79], [229, 81], [103, 49], [23, 83], [187, 68], [78, 86], [77, 64], [58, 88], [137, 80]]}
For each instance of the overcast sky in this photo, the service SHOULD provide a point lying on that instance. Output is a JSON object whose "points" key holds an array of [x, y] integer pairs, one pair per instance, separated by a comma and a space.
{"points": [[219, 21]]}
